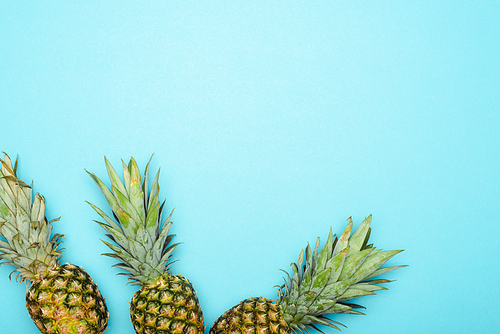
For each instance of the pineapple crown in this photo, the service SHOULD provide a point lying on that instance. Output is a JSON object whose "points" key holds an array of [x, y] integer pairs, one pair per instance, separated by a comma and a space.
{"points": [[340, 271], [140, 240], [25, 241]]}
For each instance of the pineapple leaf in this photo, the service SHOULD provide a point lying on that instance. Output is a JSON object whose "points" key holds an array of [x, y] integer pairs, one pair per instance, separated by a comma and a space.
{"points": [[308, 319], [126, 267], [358, 238], [138, 249], [145, 183], [326, 253], [373, 262], [22, 220], [295, 270], [383, 271], [108, 220], [107, 193], [374, 281], [155, 188], [117, 236], [365, 243], [167, 254], [306, 282], [143, 238], [4, 244], [113, 176], [333, 290], [37, 209], [6, 194], [354, 293], [353, 262], [320, 305], [337, 264], [127, 206], [300, 262], [320, 280], [126, 177], [368, 287], [152, 216], [343, 241], [136, 195], [166, 224]]}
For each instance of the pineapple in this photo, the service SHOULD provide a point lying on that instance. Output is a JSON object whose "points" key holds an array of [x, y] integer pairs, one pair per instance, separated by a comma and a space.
{"points": [[165, 302], [340, 271], [60, 298]]}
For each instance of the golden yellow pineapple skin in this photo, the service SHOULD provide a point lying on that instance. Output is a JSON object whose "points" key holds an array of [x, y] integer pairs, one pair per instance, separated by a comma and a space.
{"points": [[252, 316], [167, 306], [67, 301]]}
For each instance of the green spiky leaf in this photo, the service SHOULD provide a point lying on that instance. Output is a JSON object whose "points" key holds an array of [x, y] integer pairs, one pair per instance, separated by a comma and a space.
{"points": [[27, 243], [140, 241], [334, 274]]}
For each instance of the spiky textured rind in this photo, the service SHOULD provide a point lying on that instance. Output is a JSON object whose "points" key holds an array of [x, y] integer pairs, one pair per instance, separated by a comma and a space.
{"points": [[140, 240], [252, 316], [67, 301], [27, 244], [340, 271], [168, 306]]}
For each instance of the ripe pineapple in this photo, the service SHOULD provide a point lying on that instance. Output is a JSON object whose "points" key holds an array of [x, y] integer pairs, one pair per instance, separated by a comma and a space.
{"points": [[60, 298], [165, 303], [340, 271]]}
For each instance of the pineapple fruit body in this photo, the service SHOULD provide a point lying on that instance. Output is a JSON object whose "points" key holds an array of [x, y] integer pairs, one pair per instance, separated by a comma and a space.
{"points": [[252, 316], [66, 300], [140, 241], [61, 299], [323, 282], [169, 305]]}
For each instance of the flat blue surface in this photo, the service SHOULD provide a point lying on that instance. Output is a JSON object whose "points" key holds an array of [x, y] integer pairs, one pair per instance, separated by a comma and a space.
{"points": [[271, 123]]}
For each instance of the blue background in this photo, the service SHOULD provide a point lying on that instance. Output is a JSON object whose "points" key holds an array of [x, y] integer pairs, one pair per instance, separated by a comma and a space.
{"points": [[271, 122]]}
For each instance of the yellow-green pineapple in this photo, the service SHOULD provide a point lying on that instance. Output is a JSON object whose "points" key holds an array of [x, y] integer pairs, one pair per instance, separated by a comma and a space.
{"points": [[342, 270], [61, 298], [165, 303]]}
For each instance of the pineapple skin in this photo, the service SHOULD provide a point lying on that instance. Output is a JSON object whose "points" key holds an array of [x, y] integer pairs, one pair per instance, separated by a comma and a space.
{"points": [[169, 305], [252, 316], [66, 300]]}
